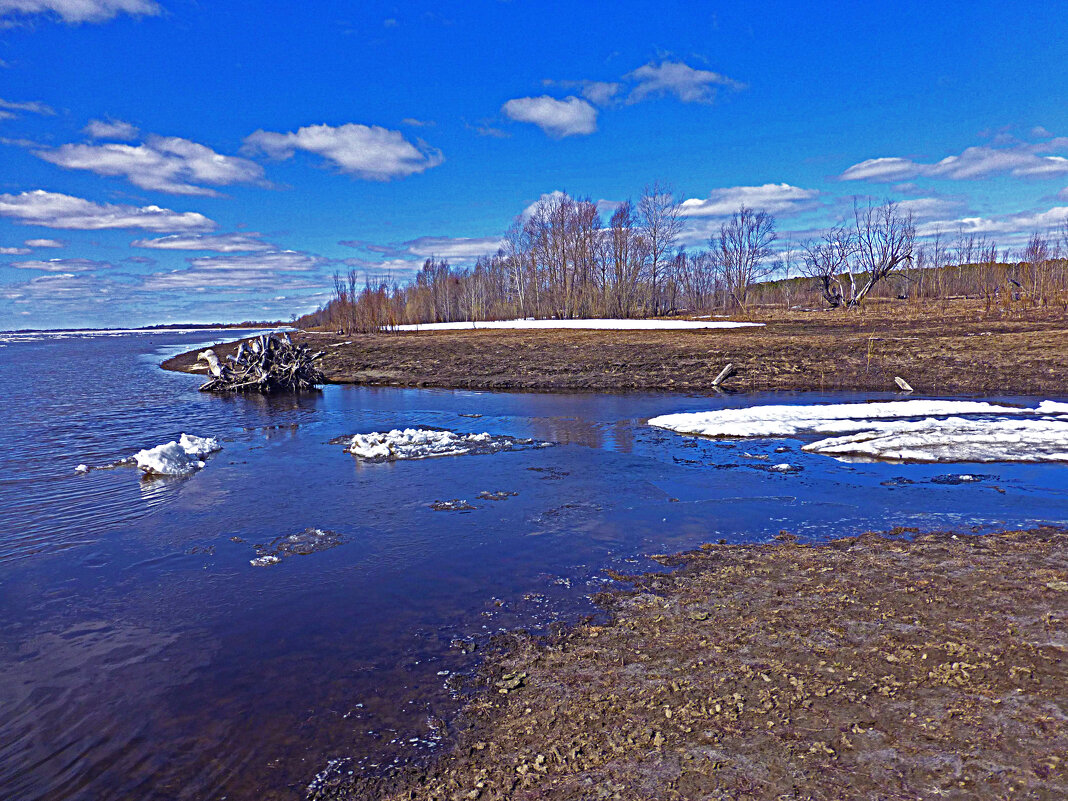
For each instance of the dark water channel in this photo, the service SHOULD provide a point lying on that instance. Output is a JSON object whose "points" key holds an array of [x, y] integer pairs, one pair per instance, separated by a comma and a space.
{"points": [[142, 656]]}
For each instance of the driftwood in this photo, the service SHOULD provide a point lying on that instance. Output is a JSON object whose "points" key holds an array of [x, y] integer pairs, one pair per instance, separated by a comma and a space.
{"points": [[266, 364], [724, 374], [902, 384]]}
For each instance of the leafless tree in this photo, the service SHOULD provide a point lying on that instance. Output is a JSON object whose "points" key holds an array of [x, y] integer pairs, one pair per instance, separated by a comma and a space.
{"points": [[885, 239], [742, 248], [661, 226], [827, 259]]}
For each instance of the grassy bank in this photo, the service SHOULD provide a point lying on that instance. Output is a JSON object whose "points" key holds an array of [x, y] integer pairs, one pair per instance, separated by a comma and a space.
{"points": [[957, 347]]}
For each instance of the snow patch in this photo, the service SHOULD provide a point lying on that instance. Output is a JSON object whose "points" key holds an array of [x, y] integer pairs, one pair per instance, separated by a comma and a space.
{"points": [[589, 324], [422, 443], [906, 431], [181, 458]]}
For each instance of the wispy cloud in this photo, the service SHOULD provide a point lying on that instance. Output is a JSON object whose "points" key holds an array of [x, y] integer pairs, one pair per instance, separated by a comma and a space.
{"points": [[558, 118], [369, 152], [56, 210], [219, 243], [442, 247], [1011, 225], [62, 265], [14, 251], [275, 271], [163, 163], [44, 243], [600, 93], [773, 198], [1019, 159], [679, 79], [78, 11], [110, 129], [32, 106]]}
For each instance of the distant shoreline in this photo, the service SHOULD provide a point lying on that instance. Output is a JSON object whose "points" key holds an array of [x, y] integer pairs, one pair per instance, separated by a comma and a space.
{"points": [[939, 349]]}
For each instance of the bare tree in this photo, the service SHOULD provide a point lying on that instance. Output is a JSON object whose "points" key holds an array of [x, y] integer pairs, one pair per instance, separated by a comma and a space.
{"points": [[885, 239], [826, 259], [743, 245], [660, 224]]}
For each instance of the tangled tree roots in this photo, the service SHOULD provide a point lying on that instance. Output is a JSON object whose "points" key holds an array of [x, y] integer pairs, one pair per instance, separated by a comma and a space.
{"points": [[266, 364]]}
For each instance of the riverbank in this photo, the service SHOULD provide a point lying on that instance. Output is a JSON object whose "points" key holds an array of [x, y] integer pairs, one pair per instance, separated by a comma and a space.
{"points": [[870, 667], [955, 348]]}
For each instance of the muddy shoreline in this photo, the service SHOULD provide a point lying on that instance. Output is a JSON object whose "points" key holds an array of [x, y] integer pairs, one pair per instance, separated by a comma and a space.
{"points": [[952, 349], [877, 667]]}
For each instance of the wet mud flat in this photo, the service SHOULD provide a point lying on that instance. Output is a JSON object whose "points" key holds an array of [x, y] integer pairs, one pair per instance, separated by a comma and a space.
{"points": [[958, 347], [882, 666]]}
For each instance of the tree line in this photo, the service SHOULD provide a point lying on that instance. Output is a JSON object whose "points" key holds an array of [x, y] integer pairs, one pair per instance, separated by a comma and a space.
{"points": [[562, 259]]}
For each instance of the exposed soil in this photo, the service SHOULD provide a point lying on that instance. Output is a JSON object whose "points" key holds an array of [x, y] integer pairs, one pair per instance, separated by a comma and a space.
{"points": [[874, 667], [959, 347]]}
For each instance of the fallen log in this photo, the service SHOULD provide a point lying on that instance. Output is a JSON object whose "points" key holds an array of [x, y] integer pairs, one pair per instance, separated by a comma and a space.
{"points": [[266, 364]]}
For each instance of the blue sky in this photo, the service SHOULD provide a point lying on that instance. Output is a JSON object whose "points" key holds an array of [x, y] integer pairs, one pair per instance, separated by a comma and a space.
{"points": [[171, 160]]}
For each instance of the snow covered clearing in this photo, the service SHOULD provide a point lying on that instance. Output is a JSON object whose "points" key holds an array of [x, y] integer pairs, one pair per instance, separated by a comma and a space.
{"points": [[181, 458], [907, 431], [591, 324], [422, 443]]}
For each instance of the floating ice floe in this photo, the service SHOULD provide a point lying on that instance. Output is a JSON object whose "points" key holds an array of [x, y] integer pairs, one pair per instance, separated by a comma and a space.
{"points": [[180, 458], [591, 324], [908, 431], [422, 443]]}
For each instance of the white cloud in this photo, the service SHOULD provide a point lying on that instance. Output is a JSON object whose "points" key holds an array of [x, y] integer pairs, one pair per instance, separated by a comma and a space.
{"points": [[1019, 224], [10, 251], [1021, 160], [265, 272], [772, 198], [926, 208], [62, 265], [56, 210], [369, 152], [110, 129], [600, 93], [459, 248], [676, 78], [164, 163], [44, 243], [32, 106], [220, 243], [558, 118], [77, 11]]}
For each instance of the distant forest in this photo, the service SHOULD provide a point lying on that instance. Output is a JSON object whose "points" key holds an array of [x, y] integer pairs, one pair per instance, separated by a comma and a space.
{"points": [[561, 260]]}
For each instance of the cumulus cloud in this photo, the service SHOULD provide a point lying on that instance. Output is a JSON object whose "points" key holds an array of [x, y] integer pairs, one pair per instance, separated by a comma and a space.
{"points": [[369, 152], [679, 79], [32, 106], [772, 198], [163, 163], [78, 11], [558, 118], [110, 129], [1019, 159], [56, 210], [220, 243], [44, 243], [62, 265]]}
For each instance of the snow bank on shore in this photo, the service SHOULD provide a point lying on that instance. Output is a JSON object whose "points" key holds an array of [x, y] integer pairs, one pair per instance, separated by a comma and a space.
{"points": [[180, 458], [421, 443], [913, 430], [591, 324]]}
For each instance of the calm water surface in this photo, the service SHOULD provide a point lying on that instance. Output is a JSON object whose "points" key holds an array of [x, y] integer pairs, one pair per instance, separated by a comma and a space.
{"points": [[143, 657]]}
